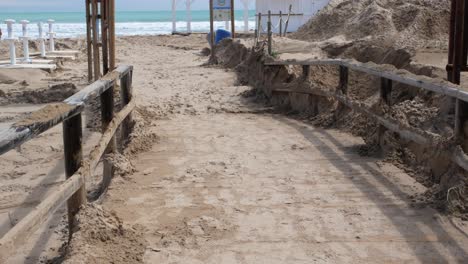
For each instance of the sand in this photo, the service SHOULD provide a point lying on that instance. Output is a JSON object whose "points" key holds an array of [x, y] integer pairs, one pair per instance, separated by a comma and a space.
{"points": [[213, 175]]}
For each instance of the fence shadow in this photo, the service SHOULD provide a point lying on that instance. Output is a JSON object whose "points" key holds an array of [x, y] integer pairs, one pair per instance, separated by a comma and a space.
{"points": [[405, 226]]}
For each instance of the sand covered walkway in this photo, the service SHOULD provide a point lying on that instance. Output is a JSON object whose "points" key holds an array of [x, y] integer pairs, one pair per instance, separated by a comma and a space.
{"points": [[228, 182]]}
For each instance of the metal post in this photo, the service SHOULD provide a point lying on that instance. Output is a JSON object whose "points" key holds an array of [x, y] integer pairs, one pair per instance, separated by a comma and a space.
{"points": [[270, 40], [287, 21], [281, 23], [72, 141], [174, 15], [212, 36], [189, 15], [246, 15], [233, 20]]}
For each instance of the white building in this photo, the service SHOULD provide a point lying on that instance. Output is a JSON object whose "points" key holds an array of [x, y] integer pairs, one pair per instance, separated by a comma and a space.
{"points": [[303, 10], [308, 8]]}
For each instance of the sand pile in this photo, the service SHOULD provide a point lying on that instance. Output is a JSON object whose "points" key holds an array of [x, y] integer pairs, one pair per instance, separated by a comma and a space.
{"points": [[398, 23], [103, 238]]}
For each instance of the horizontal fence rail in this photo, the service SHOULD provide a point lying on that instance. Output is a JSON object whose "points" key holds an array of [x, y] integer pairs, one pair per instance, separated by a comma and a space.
{"points": [[77, 169], [387, 76]]}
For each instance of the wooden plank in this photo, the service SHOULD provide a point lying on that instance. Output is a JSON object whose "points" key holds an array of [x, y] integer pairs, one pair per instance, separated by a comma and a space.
{"points": [[15, 238], [310, 62], [106, 137], [26, 227], [406, 132], [29, 66], [32, 61], [401, 76], [64, 52], [460, 158], [17, 135]]}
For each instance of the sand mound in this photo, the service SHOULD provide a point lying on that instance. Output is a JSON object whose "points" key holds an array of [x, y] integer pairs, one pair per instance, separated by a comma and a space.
{"points": [[103, 238], [399, 23]]}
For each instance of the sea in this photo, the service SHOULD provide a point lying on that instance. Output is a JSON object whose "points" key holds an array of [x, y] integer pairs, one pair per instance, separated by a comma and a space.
{"points": [[72, 24]]}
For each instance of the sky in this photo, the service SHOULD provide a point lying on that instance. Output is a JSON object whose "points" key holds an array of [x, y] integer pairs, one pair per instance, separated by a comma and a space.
{"points": [[78, 5]]}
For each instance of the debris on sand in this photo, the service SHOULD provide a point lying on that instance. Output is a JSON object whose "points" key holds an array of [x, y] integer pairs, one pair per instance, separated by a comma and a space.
{"points": [[103, 238]]}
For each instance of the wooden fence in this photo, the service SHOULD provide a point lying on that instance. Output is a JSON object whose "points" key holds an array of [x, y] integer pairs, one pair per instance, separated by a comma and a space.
{"points": [[77, 169], [387, 77]]}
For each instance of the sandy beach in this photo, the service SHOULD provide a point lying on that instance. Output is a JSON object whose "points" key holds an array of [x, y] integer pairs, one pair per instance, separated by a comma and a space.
{"points": [[222, 168], [216, 177]]}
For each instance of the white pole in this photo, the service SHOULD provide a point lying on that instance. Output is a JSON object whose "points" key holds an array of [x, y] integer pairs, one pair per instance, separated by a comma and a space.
{"points": [[11, 40], [246, 15], [174, 19], [41, 39], [189, 15], [51, 34], [25, 40]]}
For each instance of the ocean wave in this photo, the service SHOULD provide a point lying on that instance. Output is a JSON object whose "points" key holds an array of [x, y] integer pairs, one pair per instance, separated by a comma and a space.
{"points": [[71, 30]]}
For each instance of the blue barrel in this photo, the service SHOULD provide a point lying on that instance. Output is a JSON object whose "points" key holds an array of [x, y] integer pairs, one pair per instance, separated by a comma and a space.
{"points": [[221, 34]]}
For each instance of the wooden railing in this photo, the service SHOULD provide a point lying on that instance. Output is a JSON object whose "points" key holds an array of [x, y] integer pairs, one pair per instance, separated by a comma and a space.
{"points": [[387, 77], [77, 169]]}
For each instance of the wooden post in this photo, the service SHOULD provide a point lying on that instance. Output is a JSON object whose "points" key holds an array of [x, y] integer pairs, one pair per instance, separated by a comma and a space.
{"points": [[456, 51], [270, 40], [107, 114], [386, 90], [305, 72], [281, 23], [72, 142], [104, 15], [89, 43], [259, 28], [111, 22], [344, 77], [233, 20], [386, 98], [96, 58], [126, 94]]}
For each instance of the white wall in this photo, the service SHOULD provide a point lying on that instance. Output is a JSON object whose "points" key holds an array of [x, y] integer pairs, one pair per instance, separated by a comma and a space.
{"points": [[308, 7]]}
